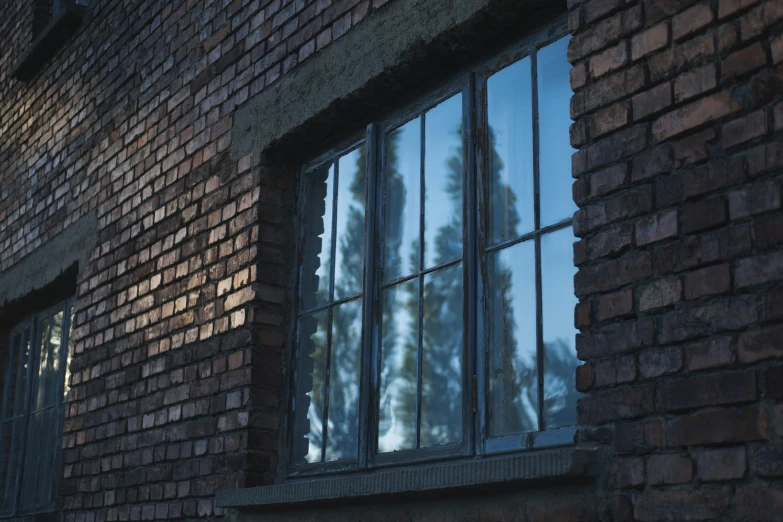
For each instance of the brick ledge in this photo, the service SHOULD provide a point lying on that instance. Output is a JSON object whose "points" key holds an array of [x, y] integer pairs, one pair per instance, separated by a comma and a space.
{"points": [[548, 464]]}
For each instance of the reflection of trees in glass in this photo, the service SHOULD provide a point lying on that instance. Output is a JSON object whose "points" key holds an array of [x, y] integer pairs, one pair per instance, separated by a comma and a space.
{"points": [[560, 393]]}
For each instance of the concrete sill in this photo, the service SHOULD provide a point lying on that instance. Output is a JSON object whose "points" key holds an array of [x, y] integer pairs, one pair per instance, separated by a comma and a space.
{"points": [[60, 28], [570, 462]]}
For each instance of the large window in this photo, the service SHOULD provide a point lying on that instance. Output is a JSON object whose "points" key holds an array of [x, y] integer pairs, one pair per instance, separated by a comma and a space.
{"points": [[33, 399], [434, 310]]}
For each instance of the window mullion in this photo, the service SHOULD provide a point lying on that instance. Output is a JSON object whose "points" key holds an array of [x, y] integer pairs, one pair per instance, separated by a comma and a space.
{"points": [[537, 221], [369, 382], [422, 224], [32, 339], [469, 255]]}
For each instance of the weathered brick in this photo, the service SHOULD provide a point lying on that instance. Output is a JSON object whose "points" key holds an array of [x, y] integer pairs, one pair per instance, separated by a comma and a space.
{"points": [[626, 473], [718, 427], [649, 40], [695, 114], [757, 345], [693, 147], [657, 362], [744, 129], [705, 214], [617, 304], [755, 199], [612, 274], [660, 293], [710, 280], [721, 464], [598, 35], [691, 20], [608, 60], [757, 270], [759, 502], [694, 82], [620, 338], [625, 403], [711, 390], [678, 505], [656, 228], [609, 119], [652, 101], [713, 317], [743, 61], [729, 7], [669, 468], [711, 353]]}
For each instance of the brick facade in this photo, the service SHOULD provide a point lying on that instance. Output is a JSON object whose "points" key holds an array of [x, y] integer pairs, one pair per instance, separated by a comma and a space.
{"points": [[180, 375]]}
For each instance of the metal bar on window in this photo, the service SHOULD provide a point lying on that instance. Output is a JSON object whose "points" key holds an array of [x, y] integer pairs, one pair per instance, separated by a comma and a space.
{"points": [[371, 295], [470, 255], [537, 221], [422, 224]]}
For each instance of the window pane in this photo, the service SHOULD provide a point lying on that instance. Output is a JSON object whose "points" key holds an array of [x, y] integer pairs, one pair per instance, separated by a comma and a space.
{"points": [[40, 369], [15, 431], [317, 248], [402, 200], [443, 174], [12, 376], [399, 359], [53, 376], [442, 360], [513, 370], [67, 372], [342, 440], [557, 275], [510, 176], [311, 386], [349, 257], [554, 95], [21, 383]]}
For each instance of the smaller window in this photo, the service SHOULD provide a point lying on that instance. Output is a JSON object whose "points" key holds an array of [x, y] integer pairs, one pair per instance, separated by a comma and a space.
{"points": [[33, 408]]}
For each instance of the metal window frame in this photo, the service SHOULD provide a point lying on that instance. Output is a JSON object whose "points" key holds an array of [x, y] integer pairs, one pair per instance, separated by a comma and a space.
{"points": [[32, 324], [471, 83]]}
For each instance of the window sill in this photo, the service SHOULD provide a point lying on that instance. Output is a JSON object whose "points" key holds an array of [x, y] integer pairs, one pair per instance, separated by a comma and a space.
{"points": [[62, 26], [571, 462]]}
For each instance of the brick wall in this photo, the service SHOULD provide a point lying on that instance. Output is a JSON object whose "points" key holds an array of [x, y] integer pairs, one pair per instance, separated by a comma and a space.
{"points": [[678, 117], [177, 383], [179, 370]]}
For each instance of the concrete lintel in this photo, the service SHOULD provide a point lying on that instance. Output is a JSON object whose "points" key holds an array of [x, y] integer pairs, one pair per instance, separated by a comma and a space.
{"points": [[550, 464], [391, 39]]}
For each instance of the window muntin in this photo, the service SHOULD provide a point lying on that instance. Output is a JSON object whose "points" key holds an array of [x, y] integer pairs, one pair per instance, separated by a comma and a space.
{"points": [[439, 247], [33, 411]]}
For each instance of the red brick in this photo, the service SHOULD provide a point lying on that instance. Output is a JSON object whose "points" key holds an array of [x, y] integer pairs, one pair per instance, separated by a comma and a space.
{"points": [[652, 162], [669, 468], [597, 9], [660, 293], [743, 61], [721, 464], [650, 40], [758, 345], [582, 315], [626, 473], [652, 101], [697, 113], [621, 507], [711, 280], [656, 228], [755, 199], [759, 18], [609, 372], [711, 390], [609, 119], [657, 362], [744, 129], [613, 405], [718, 427], [657, 9], [584, 377], [679, 505], [680, 58], [729, 7], [612, 274], [714, 316], [705, 214], [778, 416], [757, 270], [776, 47], [567, 509], [691, 20], [759, 502], [768, 461], [637, 437], [578, 76], [693, 148], [598, 35], [614, 305], [612, 241], [609, 60], [694, 82], [711, 353], [608, 180]]}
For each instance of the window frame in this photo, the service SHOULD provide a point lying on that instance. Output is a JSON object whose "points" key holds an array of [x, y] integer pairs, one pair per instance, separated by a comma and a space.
{"points": [[33, 324], [471, 84]]}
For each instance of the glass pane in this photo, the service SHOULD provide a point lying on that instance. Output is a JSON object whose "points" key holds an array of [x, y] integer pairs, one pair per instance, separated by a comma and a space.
{"points": [[317, 249], [399, 358], [349, 257], [402, 200], [442, 359], [67, 377], [21, 383], [37, 473], [345, 369], [513, 369], [311, 386], [12, 377], [557, 278], [53, 377], [443, 175], [14, 430], [42, 359], [510, 177], [554, 106]]}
